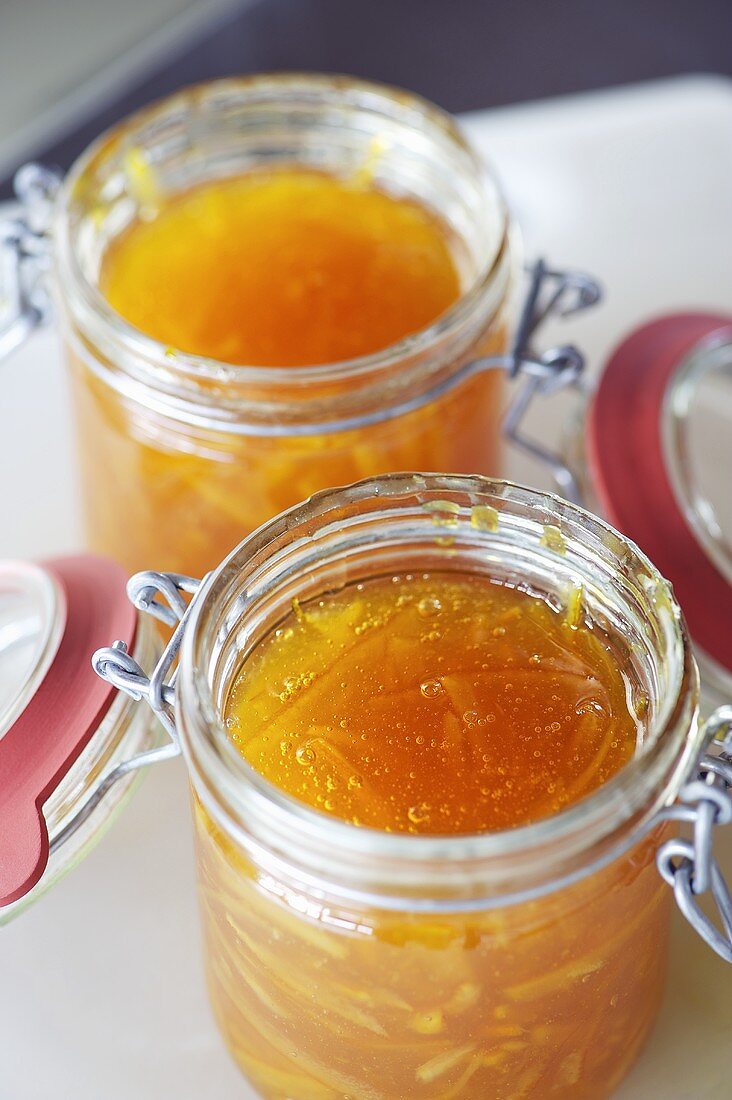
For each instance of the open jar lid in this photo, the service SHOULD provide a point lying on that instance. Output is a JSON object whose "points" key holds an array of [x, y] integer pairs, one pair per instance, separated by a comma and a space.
{"points": [[52, 616], [659, 439]]}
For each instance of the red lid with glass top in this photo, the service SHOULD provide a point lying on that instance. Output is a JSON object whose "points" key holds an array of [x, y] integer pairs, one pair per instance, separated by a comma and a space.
{"points": [[52, 616], [664, 398]]}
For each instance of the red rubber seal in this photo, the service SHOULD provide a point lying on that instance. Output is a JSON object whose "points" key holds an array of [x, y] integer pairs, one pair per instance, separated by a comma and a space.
{"points": [[629, 472], [59, 720]]}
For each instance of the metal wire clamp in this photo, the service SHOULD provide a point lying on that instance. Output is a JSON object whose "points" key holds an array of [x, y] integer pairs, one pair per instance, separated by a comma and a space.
{"points": [[25, 253], [689, 866], [560, 293], [118, 667]]}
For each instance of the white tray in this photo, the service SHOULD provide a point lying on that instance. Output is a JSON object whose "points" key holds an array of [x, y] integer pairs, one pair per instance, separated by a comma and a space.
{"points": [[101, 988]]}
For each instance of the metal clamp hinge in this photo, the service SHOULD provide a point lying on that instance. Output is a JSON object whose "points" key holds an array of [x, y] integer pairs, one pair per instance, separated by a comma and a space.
{"points": [[689, 866], [560, 293], [25, 252], [118, 667], [550, 293]]}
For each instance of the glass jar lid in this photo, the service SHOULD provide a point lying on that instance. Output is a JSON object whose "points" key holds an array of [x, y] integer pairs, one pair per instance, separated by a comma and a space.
{"points": [[32, 617], [660, 451], [52, 616]]}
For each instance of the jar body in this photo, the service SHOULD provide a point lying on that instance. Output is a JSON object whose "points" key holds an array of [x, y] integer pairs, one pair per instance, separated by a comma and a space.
{"points": [[198, 453], [552, 997], [158, 491]]}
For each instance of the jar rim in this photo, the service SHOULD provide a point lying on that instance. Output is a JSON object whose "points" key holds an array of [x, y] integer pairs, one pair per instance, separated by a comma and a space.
{"points": [[95, 309], [605, 822]]}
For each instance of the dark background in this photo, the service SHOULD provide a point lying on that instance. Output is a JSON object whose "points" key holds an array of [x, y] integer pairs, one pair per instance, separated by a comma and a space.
{"points": [[461, 53]]}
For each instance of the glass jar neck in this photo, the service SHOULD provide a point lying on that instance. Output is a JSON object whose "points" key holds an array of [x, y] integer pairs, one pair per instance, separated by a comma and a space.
{"points": [[409, 523], [239, 125]]}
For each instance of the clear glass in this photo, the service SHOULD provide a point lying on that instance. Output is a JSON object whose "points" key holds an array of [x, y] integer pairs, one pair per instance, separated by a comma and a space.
{"points": [[177, 454], [349, 962], [32, 616], [125, 730], [697, 428]]}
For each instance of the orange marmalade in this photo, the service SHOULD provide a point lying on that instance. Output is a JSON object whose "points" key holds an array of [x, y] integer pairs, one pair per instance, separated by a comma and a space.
{"points": [[433, 704], [287, 268], [277, 270]]}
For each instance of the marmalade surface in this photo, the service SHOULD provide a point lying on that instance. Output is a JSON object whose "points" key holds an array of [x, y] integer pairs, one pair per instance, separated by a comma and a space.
{"points": [[434, 704], [287, 268]]}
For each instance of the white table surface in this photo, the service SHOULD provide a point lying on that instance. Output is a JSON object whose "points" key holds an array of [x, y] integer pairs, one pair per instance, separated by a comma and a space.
{"points": [[101, 988]]}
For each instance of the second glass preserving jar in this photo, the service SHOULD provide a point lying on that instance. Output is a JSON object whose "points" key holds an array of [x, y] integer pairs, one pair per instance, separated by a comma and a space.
{"points": [[181, 454], [348, 962]]}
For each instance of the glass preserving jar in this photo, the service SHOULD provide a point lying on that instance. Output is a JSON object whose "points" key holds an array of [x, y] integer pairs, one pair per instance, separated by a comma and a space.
{"points": [[344, 961], [199, 451], [340, 959]]}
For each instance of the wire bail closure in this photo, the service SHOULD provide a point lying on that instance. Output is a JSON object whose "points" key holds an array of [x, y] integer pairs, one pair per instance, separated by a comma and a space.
{"points": [[118, 667], [560, 293], [25, 254], [689, 866], [115, 665]]}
